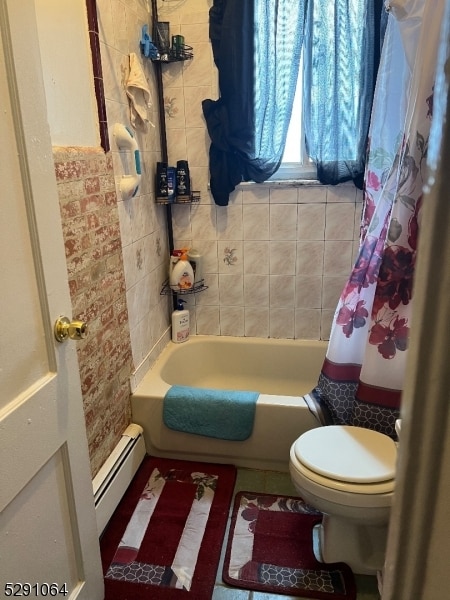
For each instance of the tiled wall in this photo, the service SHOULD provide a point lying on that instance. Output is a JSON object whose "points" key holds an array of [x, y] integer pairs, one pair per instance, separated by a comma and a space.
{"points": [[143, 224], [91, 231], [277, 258]]}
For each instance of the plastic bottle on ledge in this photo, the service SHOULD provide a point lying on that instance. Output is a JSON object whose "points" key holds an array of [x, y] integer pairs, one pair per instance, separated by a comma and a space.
{"points": [[182, 275], [183, 182], [162, 191], [196, 260], [180, 323]]}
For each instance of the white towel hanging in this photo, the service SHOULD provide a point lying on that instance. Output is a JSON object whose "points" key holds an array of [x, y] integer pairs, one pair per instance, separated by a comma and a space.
{"points": [[139, 95]]}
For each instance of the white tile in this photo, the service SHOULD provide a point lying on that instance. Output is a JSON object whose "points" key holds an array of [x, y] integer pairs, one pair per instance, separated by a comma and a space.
{"points": [[332, 290], [229, 222], [256, 290], [208, 250], [118, 13], [195, 32], [282, 257], [255, 257], [200, 182], [257, 321], [203, 222], [255, 194], [231, 289], [339, 219], [209, 296], [307, 324], [181, 222], [310, 257], [198, 143], [282, 291], [337, 258], [208, 320], [283, 221], [197, 72], [256, 222], [283, 195], [193, 97], [311, 222], [308, 292], [282, 323], [176, 140], [312, 194], [345, 192], [232, 320]]}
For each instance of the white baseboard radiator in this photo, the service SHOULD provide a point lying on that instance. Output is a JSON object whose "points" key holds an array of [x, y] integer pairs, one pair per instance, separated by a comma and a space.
{"points": [[114, 477]]}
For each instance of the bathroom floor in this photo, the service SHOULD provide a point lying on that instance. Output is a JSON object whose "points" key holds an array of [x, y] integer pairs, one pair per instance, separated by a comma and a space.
{"points": [[273, 482]]}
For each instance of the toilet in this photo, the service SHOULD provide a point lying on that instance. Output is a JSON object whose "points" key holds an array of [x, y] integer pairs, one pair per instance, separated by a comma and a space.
{"points": [[347, 473]]}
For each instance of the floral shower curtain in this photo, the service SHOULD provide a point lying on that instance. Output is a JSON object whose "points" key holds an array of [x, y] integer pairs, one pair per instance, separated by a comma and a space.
{"points": [[362, 376]]}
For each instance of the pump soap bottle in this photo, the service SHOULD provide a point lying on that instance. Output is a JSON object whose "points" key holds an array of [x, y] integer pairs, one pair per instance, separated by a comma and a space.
{"points": [[180, 323]]}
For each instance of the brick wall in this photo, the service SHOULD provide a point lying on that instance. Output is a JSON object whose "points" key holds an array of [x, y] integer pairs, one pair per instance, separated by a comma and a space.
{"points": [[93, 247]]}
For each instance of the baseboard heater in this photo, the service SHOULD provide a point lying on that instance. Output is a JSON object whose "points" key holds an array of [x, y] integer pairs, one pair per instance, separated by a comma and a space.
{"points": [[114, 477]]}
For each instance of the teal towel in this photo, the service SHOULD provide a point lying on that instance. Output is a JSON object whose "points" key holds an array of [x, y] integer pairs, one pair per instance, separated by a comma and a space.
{"points": [[223, 414]]}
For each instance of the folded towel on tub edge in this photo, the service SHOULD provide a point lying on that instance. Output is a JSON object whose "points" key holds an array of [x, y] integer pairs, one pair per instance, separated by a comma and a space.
{"points": [[222, 414]]}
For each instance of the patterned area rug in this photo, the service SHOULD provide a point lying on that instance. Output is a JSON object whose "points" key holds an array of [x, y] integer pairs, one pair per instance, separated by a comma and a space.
{"points": [[270, 549], [165, 537]]}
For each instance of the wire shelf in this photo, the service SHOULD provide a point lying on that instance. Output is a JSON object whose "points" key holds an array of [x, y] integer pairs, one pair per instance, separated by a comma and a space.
{"points": [[193, 198], [185, 52], [166, 290]]}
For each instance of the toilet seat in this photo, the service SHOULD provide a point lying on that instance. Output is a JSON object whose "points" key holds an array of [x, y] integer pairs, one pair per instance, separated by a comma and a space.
{"points": [[346, 458]]}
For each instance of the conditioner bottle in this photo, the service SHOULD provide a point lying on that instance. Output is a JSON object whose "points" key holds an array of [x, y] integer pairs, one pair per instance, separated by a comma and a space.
{"points": [[180, 323]]}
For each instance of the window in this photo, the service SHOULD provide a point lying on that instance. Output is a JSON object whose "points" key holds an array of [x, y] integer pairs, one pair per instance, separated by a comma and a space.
{"points": [[296, 163]]}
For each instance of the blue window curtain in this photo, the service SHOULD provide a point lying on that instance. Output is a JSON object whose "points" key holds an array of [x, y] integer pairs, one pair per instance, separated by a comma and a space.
{"points": [[341, 56], [256, 47]]}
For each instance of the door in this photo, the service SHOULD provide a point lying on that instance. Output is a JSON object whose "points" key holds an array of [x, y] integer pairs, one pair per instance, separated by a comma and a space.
{"points": [[48, 536]]}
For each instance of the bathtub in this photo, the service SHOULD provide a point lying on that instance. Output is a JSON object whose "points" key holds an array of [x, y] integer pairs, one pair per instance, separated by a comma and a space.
{"points": [[282, 371]]}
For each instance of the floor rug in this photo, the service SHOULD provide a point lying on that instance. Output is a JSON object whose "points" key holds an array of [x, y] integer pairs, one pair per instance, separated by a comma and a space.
{"points": [[270, 549], [165, 537]]}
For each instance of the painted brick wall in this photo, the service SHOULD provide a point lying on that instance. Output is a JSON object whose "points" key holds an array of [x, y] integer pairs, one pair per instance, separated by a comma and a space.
{"points": [[90, 220]]}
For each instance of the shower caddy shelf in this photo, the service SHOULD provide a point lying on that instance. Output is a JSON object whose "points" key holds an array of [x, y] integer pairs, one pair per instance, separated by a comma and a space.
{"points": [[172, 56], [166, 290], [195, 196]]}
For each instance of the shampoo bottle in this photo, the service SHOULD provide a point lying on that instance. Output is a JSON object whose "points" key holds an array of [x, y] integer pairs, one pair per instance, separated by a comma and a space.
{"points": [[180, 323], [183, 182]]}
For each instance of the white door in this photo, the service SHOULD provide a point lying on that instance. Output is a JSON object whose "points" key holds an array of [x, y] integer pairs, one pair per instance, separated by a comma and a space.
{"points": [[48, 536]]}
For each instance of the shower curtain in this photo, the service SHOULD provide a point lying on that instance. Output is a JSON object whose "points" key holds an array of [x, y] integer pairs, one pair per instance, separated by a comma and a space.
{"points": [[362, 375]]}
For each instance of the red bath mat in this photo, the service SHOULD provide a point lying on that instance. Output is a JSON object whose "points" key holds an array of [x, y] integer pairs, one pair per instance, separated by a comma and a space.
{"points": [[165, 537], [270, 549]]}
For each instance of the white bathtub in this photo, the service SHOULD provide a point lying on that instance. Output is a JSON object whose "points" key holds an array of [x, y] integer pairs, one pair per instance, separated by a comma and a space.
{"points": [[283, 371]]}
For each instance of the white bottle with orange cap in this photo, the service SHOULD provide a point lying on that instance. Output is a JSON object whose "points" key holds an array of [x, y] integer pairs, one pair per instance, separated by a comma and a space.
{"points": [[182, 275]]}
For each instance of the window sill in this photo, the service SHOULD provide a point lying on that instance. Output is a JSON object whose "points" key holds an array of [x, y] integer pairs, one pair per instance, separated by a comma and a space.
{"points": [[282, 183]]}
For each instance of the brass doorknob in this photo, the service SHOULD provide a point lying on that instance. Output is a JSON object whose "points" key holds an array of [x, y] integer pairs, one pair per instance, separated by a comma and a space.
{"points": [[75, 330]]}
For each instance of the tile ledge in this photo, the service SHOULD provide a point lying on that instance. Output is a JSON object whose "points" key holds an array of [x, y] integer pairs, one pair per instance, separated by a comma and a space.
{"points": [[282, 183]]}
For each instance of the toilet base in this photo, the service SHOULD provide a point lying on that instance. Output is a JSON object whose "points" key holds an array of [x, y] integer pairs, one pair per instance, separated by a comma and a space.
{"points": [[362, 547]]}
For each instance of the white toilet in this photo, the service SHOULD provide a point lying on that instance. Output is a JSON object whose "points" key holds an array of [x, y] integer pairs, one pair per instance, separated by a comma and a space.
{"points": [[348, 474]]}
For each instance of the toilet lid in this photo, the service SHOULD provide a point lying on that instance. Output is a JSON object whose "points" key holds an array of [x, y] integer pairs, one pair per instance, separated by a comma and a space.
{"points": [[346, 453]]}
